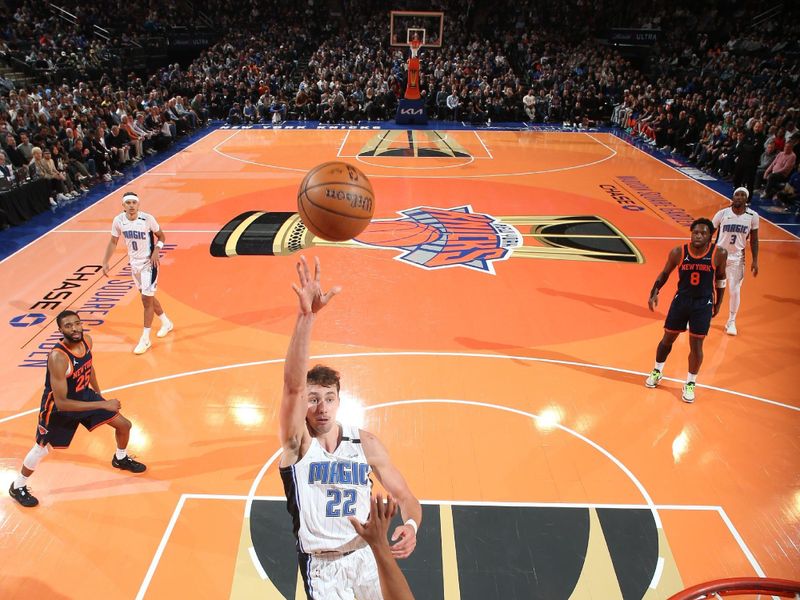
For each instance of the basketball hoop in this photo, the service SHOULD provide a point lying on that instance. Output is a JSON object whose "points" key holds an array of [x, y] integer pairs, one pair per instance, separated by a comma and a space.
{"points": [[415, 45]]}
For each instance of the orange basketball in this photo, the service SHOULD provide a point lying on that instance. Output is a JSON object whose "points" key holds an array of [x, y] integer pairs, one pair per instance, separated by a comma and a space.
{"points": [[335, 201]]}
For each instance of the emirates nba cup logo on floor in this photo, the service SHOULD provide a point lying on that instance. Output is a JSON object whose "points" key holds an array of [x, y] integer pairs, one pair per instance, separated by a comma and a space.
{"points": [[436, 238]]}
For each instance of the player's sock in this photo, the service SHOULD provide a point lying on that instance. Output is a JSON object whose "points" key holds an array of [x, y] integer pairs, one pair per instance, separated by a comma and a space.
{"points": [[660, 367], [20, 481], [691, 378], [164, 319], [146, 333], [121, 453], [732, 317]]}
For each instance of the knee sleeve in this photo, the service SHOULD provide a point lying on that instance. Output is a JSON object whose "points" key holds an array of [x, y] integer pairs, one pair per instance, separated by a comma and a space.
{"points": [[35, 456]]}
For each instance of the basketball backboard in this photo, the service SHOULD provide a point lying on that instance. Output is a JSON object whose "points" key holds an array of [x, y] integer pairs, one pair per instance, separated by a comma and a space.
{"points": [[405, 26]]}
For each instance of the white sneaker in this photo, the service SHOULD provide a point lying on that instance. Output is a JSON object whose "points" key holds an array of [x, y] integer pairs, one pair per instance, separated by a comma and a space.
{"points": [[165, 329], [654, 378], [688, 392], [730, 328], [142, 346]]}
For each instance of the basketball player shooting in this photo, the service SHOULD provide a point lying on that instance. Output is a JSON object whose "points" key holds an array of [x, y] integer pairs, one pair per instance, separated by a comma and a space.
{"points": [[326, 467]]}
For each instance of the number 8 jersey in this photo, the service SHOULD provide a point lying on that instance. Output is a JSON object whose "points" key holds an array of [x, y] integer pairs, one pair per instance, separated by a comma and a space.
{"points": [[323, 489], [696, 273]]}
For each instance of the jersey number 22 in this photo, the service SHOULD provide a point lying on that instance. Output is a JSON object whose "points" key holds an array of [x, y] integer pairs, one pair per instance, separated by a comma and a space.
{"points": [[341, 503]]}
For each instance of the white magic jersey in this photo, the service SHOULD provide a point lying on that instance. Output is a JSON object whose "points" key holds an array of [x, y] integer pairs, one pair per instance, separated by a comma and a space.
{"points": [[734, 230], [138, 235], [323, 489]]}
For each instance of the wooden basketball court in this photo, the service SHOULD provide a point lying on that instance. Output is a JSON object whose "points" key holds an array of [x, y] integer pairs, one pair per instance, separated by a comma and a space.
{"points": [[493, 331]]}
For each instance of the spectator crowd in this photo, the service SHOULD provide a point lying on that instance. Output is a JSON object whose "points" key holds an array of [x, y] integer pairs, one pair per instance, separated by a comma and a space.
{"points": [[713, 88]]}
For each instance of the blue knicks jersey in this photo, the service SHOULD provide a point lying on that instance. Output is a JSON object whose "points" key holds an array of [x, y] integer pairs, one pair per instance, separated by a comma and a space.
{"points": [[79, 373], [696, 274], [323, 489]]}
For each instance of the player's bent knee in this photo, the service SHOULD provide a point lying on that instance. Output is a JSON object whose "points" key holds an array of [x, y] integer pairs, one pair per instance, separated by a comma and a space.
{"points": [[35, 456], [121, 423]]}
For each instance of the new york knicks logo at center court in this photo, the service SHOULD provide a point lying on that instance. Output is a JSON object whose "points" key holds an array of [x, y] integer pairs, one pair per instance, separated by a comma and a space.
{"points": [[435, 238]]}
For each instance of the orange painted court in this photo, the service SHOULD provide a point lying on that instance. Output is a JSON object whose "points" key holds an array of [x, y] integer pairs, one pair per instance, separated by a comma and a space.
{"points": [[493, 331]]}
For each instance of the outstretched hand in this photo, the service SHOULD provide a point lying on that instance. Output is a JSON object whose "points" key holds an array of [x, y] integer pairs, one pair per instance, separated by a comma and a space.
{"points": [[309, 292], [377, 525]]}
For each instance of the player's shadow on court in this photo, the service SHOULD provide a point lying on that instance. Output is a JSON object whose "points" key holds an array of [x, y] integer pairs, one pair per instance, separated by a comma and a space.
{"points": [[782, 300], [31, 588], [604, 304], [562, 359]]}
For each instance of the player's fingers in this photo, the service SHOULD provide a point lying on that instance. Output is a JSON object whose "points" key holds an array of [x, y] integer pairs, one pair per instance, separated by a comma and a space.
{"points": [[398, 534], [300, 272], [357, 525], [316, 269]]}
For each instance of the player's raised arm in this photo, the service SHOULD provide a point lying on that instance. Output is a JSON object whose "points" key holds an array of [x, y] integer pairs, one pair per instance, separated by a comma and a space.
{"points": [[390, 477], [720, 277], [393, 583], [293, 404], [673, 260]]}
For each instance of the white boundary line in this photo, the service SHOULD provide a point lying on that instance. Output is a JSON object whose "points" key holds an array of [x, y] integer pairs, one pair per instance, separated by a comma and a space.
{"points": [[433, 354], [697, 181], [160, 550], [107, 231], [215, 231], [482, 144], [95, 203], [481, 176], [656, 575], [344, 141], [740, 541]]}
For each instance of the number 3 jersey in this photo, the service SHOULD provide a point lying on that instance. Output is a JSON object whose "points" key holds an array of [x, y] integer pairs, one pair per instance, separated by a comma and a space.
{"points": [[323, 489], [138, 236], [734, 230]]}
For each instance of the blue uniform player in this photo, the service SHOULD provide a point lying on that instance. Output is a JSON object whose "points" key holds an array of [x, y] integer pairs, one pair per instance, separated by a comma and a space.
{"points": [[701, 285], [71, 398]]}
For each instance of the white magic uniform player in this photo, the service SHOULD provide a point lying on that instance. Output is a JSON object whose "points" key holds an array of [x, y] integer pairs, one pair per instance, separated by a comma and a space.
{"points": [[140, 230], [734, 225], [326, 466]]}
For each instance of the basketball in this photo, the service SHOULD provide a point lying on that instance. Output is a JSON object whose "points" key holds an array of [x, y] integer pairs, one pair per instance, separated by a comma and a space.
{"points": [[335, 201]]}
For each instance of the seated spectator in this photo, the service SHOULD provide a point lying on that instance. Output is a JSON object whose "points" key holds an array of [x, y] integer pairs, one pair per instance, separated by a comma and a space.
{"points": [[779, 171], [61, 190], [789, 196], [16, 159], [6, 172]]}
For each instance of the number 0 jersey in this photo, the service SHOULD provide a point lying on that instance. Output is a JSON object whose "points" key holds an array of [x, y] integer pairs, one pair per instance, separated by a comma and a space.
{"points": [[696, 273], [323, 489], [138, 236]]}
